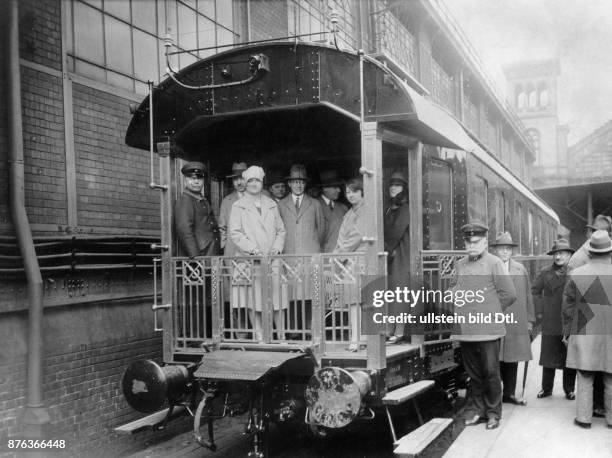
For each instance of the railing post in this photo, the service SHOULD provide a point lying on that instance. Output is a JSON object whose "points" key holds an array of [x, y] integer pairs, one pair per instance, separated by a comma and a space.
{"points": [[163, 150], [216, 301], [267, 315], [318, 304]]}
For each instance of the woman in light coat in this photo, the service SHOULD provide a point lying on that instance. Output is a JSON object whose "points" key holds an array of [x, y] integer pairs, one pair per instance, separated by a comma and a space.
{"points": [[350, 239], [256, 229]]}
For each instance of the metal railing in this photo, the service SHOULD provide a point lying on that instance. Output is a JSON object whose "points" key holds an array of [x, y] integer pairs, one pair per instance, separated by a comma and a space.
{"points": [[293, 299]]}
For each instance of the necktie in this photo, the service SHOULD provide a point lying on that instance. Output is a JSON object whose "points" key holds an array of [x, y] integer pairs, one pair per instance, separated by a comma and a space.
{"points": [[331, 205], [297, 204]]}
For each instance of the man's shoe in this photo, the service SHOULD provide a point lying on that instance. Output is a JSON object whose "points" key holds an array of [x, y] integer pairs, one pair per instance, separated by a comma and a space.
{"points": [[582, 424], [570, 396], [599, 412], [544, 394], [476, 419], [514, 400], [492, 423]]}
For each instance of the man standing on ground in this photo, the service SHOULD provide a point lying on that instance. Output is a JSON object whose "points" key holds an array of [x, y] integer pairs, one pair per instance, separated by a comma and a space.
{"points": [[483, 274], [548, 292], [516, 345]]}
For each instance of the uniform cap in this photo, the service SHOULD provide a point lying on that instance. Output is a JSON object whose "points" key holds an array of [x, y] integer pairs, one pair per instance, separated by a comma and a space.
{"points": [[474, 231], [600, 242], [561, 245], [504, 239], [193, 169]]}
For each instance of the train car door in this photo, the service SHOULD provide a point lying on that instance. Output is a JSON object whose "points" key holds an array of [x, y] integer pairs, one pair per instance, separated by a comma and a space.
{"points": [[438, 205]]}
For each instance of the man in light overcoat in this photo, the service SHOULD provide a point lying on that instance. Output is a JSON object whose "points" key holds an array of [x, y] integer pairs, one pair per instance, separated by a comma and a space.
{"points": [[587, 318], [239, 186], [516, 344]]}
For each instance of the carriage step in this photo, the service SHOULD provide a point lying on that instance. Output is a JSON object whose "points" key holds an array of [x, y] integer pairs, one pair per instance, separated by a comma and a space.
{"points": [[150, 421], [407, 392], [414, 443]]}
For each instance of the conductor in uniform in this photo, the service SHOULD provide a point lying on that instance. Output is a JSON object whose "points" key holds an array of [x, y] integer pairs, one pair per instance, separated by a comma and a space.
{"points": [[195, 223], [493, 291]]}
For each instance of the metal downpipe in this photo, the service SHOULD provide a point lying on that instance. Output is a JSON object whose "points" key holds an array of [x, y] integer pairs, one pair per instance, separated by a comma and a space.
{"points": [[36, 414]]}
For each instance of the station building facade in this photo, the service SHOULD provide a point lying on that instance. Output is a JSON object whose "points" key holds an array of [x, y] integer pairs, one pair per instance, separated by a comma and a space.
{"points": [[91, 216]]}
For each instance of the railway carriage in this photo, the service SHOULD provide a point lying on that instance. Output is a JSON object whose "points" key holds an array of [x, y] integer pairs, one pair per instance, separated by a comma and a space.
{"points": [[278, 103]]}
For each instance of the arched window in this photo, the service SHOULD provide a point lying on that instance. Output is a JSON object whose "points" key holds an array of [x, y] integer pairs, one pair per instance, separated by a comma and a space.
{"points": [[534, 137], [522, 100]]}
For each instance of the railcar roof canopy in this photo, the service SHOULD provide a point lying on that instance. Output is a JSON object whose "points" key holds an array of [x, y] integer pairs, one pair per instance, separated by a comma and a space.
{"points": [[284, 87]]}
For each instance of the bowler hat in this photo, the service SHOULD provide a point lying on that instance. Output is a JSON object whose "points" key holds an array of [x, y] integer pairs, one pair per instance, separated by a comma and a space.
{"points": [[193, 169], [504, 239], [474, 231], [601, 222], [273, 177], [298, 172], [561, 245], [600, 242], [398, 177], [330, 178], [237, 169]]}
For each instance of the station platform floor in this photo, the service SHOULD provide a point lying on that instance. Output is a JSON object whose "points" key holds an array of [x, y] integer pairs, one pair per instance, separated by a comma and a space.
{"points": [[542, 428]]}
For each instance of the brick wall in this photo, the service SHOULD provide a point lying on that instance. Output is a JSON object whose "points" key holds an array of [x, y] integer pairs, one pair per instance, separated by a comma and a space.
{"points": [[40, 36], [83, 365], [268, 19], [112, 179], [44, 147]]}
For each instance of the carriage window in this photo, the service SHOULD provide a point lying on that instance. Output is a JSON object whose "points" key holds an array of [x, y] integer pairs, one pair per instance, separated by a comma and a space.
{"points": [[119, 42], [439, 206], [477, 205], [500, 213], [530, 234], [519, 222]]}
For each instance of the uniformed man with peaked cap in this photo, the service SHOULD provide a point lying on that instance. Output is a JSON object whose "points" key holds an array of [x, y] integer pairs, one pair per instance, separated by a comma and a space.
{"points": [[194, 221], [493, 291]]}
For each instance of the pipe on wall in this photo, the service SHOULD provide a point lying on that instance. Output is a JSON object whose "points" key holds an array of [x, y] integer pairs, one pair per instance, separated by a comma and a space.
{"points": [[36, 415]]}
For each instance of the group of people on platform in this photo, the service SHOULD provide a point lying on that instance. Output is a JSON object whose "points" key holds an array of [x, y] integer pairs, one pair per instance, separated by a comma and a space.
{"points": [[570, 299], [257, 221]]}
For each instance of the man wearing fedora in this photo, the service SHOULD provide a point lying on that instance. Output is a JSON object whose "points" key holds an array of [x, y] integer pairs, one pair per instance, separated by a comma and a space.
{"points": [[333, 209], [547, 290], [581, 257], [239, 186], [481, 273], [516, 345], [305, 227], [587, 319], [194, 221]]}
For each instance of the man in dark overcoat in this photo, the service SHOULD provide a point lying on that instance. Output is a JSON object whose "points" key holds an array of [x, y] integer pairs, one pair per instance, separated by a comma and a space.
{"points": [[548, 297], [194, 221], [303, 219], [333, 209], [492, 291], [516, 345], [587, 316]]}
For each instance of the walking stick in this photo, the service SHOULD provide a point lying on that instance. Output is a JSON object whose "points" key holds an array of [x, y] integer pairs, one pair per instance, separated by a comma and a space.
{"points": [[531, 338]]}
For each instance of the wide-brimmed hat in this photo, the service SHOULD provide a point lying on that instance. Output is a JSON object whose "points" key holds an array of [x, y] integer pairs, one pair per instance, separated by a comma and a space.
{"points": [[237, 169], [600, 242], [561, 245], [599, 221], [193, 169], [504, 239], [330, 178], [297, 172], [474, 231], [398, 177]]}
